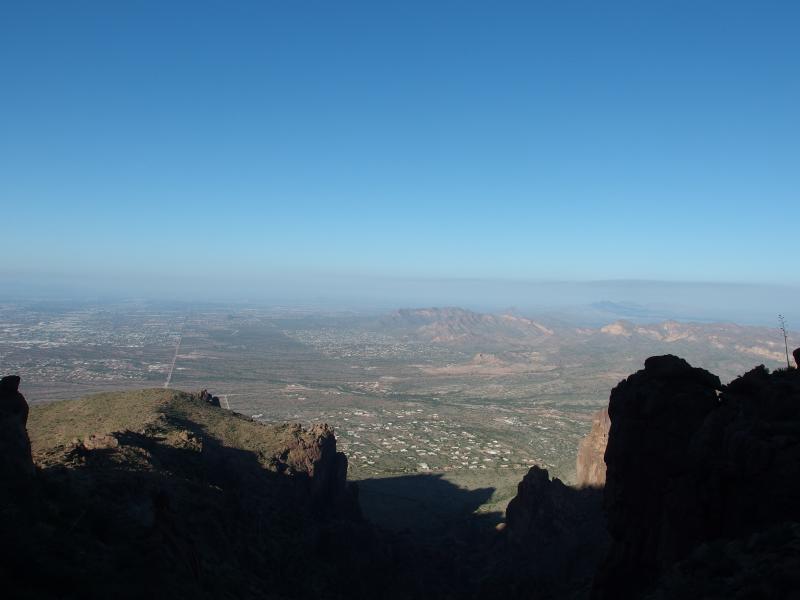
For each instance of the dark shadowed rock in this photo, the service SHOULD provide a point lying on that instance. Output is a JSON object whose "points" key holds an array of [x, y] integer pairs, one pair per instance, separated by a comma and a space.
{"points": [[16, 464], [590, 465], [765, 565], [687, 466], [796, 355], [557, 532], [541, 509]]}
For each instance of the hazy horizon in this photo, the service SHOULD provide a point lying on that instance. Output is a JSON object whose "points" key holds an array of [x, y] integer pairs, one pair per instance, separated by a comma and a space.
{"points": [[585, 302]]}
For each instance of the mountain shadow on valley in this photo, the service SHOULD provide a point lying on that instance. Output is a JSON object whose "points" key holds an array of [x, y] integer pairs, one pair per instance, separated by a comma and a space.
{"points": [[426, 504]]}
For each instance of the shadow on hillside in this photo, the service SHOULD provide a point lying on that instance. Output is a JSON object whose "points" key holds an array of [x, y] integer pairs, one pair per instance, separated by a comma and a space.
{"points": [[164, 510], [425, 504]]}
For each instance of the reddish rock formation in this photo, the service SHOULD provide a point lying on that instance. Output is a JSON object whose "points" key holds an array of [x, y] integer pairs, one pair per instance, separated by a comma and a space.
{"points": [[590, 465], [686, 466], [313, 453]]}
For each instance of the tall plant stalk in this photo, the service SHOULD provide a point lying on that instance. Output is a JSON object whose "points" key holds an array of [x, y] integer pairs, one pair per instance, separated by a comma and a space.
{"points": [[782, 322]]}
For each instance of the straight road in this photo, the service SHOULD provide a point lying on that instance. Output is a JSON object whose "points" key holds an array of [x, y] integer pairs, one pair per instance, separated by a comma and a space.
{"points": [[174, 359]]}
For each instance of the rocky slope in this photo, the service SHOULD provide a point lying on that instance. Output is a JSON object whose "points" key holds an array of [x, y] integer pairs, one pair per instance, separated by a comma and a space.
{"points": [[161, 494]]}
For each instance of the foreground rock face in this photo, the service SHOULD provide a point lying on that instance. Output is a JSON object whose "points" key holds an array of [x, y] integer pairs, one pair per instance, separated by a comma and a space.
{"points": [[590, 465], [765, 564], [16, 464], [686, 466]]}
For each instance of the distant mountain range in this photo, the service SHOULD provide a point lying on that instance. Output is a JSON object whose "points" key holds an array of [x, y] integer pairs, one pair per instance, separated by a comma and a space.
{"points": [[465, 328]]}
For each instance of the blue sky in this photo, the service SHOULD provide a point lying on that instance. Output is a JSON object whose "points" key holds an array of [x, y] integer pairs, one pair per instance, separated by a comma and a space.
{"points": [[545, 140]]}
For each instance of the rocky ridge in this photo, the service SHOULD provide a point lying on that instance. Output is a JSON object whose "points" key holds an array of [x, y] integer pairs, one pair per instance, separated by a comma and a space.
{"points": [[192, 501]]}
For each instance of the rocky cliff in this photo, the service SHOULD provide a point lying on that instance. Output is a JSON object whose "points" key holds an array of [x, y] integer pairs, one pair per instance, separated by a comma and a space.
{"points": [[690, 462], [590, 464]]}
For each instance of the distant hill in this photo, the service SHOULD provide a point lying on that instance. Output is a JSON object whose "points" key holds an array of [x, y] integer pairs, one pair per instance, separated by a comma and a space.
{"points": [[463, 327]]}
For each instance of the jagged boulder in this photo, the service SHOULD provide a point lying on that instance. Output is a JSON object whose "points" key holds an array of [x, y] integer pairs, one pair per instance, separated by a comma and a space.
{"points": [[557, 532], [16, 464], [689, 463], [590, 464], [546, 508], [541, 508]]}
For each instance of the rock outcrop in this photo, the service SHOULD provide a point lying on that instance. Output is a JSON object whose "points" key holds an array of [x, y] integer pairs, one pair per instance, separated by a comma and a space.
{"points": [[205, 396], [312, 453], [590, 465], [687, 465]]}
